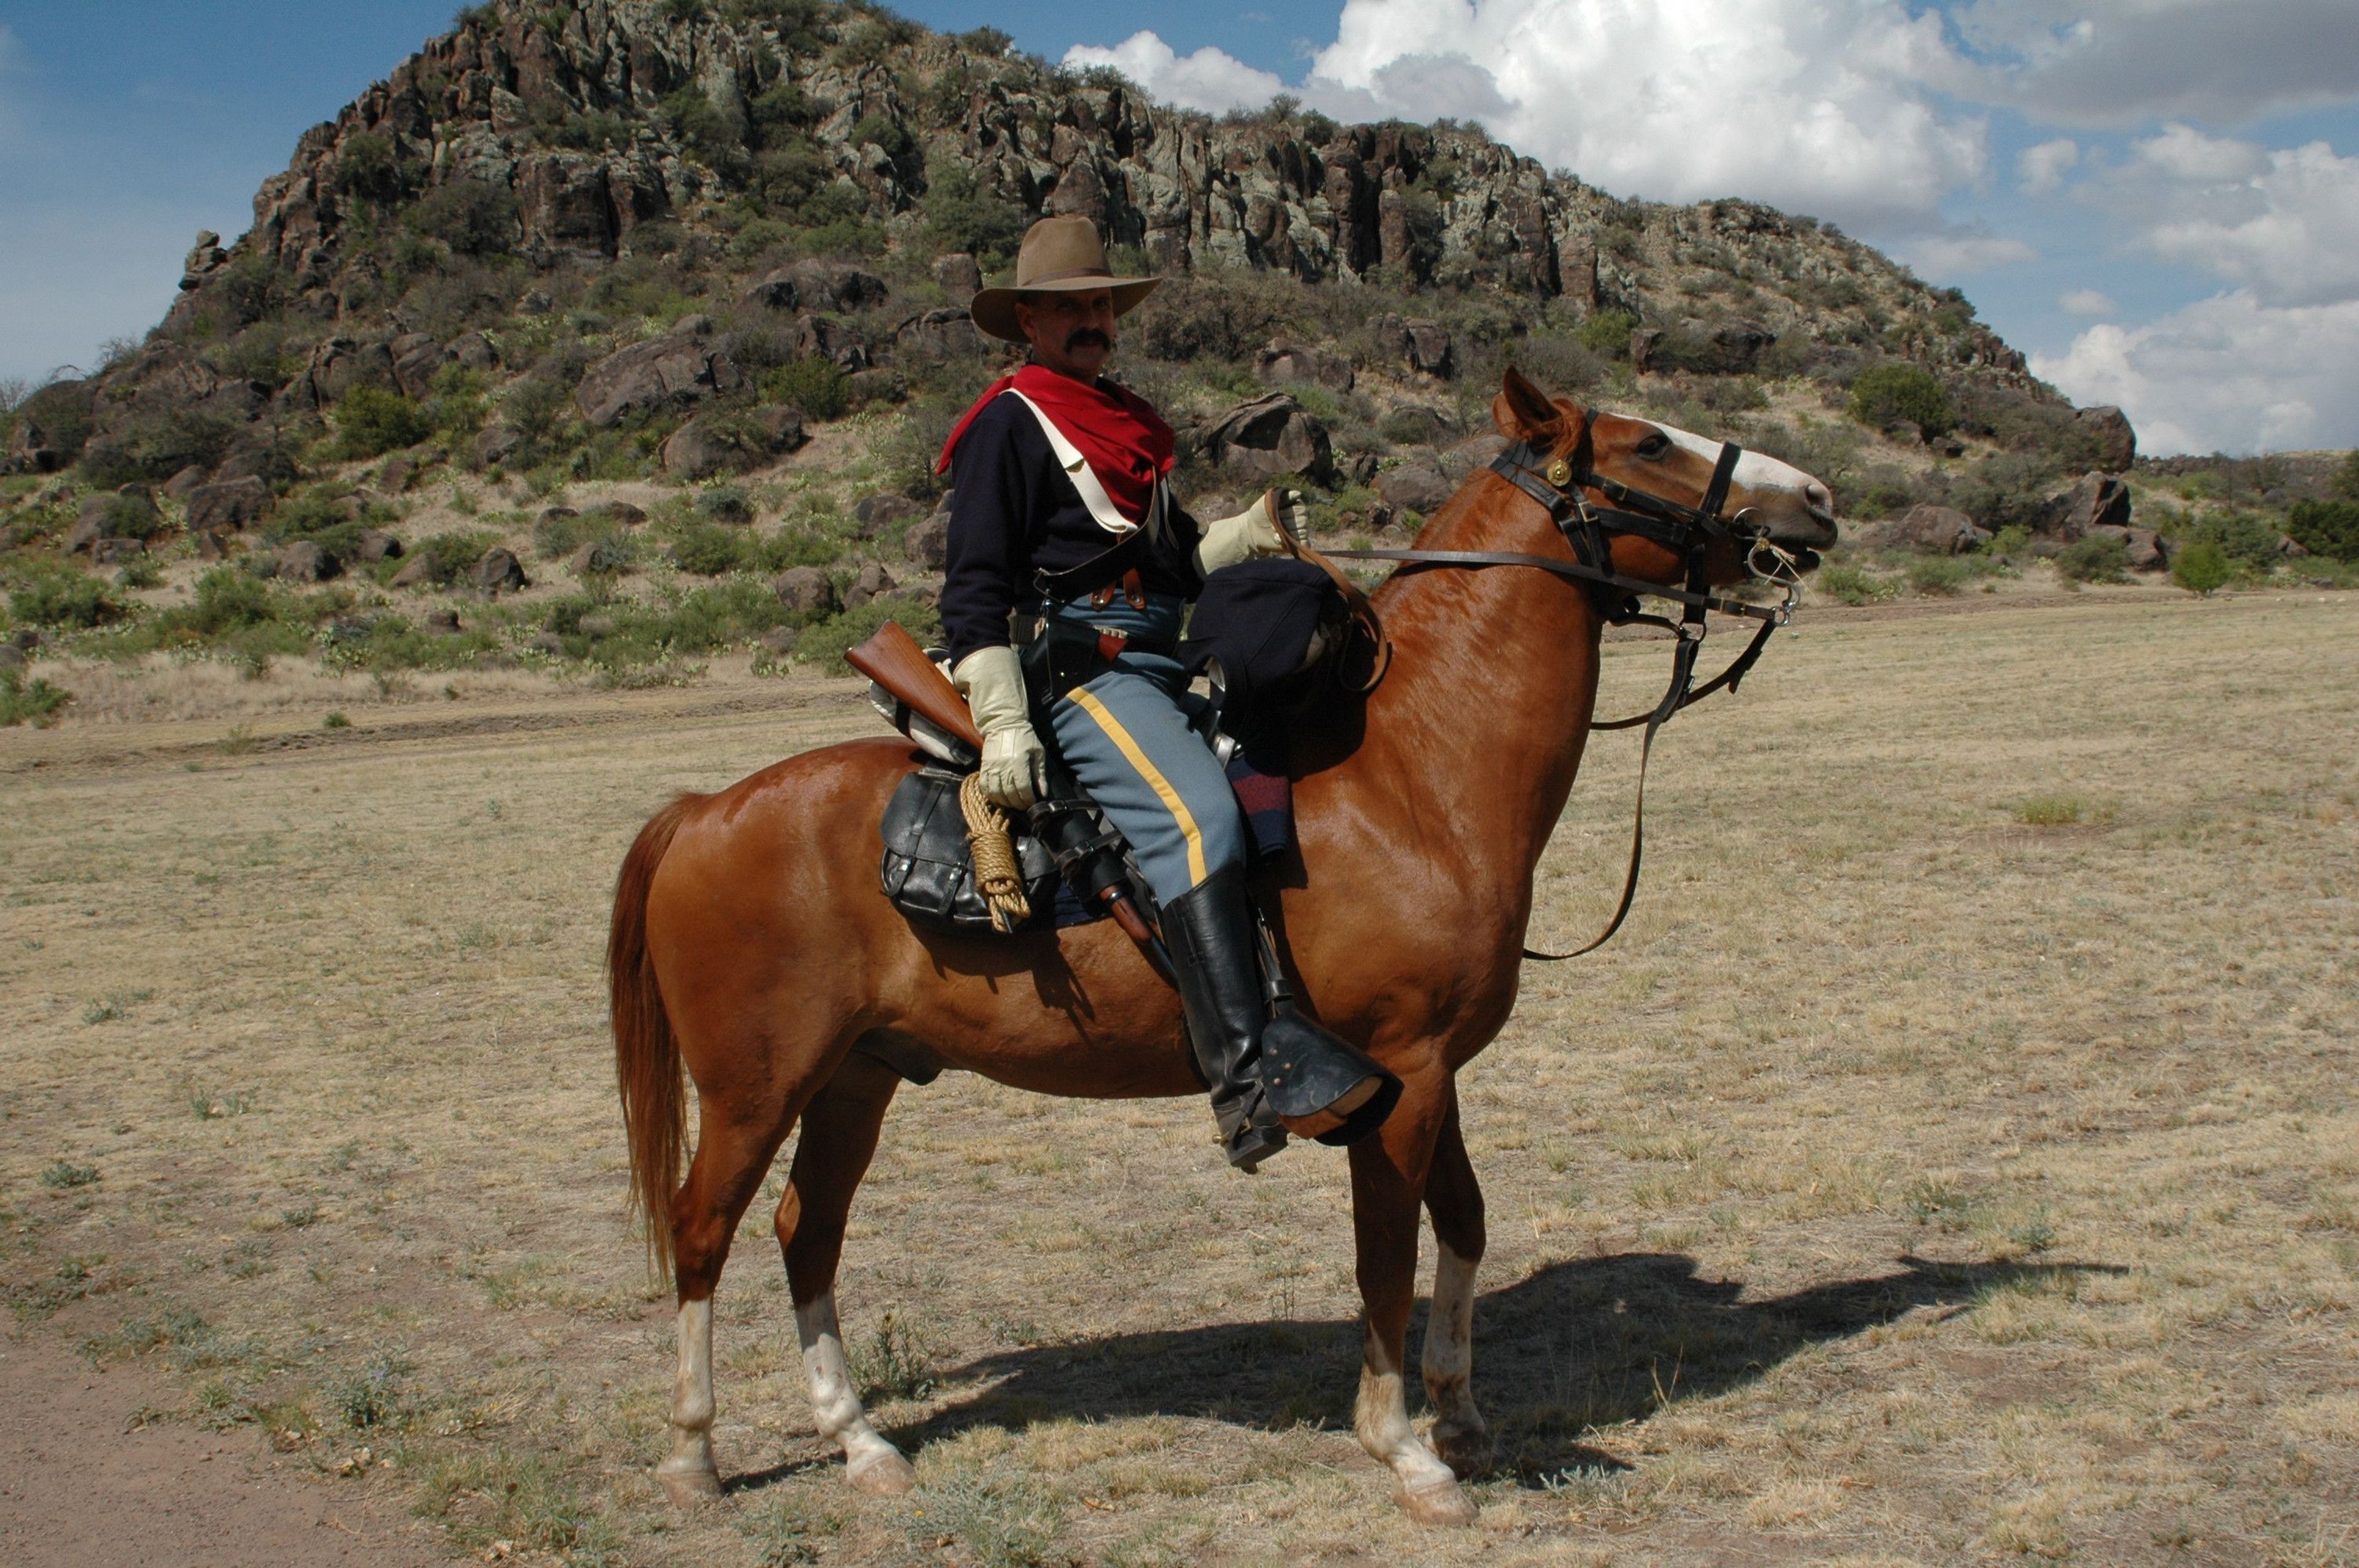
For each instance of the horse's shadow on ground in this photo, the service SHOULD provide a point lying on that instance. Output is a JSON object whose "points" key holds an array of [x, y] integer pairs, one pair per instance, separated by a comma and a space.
{"points": [[1571, 1346]]}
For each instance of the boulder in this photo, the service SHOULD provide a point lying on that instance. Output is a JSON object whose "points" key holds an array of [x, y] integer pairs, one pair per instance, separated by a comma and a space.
{"points": [[1424, 343], [597, 558], [873, 580], [1644, 343], [2111, 441], [205, 258], [621, 511], [114, 552], [875, 385], [303, 561], [776, 292], [960, 276], [830, 338], [683, 367], [473, 351], [806, 590], [1941, 530], [442, 621], [499, 572], [416, 359], [341, 363], [416, 572], [836, 285], [2095, 501], [177, 488], [928, 543], [1271, 435], [1289, 364], [498, 444], [1473, 452], [732, 444], [1734, 348], [1418, 486], [546, 643], [940, 335], [2148, 553], [1360, 468], [258, 458], [779, 641], [725, 504], [126, 514], [876, 513], [376, 544], [12, 657]]}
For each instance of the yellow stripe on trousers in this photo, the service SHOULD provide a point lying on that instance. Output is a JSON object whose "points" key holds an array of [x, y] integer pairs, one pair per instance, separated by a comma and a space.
{"points": [[1147, 770]]}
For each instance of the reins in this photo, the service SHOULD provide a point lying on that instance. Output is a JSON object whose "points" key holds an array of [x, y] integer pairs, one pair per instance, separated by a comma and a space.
{"points": [[1691, 531]]}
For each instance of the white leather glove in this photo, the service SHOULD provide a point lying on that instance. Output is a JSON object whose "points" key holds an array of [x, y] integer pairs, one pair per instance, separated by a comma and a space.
{"points": [[1014, 764], [1256, 531]]}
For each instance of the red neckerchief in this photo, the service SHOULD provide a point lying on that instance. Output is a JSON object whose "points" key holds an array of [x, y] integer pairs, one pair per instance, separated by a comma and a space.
{"points": [[1124, 441]]}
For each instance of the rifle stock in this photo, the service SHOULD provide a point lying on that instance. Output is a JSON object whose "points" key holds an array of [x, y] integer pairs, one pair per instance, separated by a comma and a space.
{"points": [[893, 660]]}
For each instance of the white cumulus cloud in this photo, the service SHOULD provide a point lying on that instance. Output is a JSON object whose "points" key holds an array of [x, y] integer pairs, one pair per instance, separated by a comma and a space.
{"points": [[1209, 78], [2226, 373], [2087, 302], [2042, 168], [1821, 106], [2282, 221], [1959, 251]]}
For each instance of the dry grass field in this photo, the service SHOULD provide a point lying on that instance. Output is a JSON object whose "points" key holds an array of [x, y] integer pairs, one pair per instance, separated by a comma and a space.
{"points": [[1955, 1161]]}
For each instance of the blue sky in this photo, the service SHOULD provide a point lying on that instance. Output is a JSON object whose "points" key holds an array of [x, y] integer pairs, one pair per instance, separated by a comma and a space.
{"points": [[2157, 198]]}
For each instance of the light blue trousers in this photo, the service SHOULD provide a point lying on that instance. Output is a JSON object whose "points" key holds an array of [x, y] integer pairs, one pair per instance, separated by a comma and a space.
{"points": [[1126, 734]]}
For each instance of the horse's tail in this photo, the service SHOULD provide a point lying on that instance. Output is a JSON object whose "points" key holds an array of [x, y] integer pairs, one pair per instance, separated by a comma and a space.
{"points": [[646, 1059]]}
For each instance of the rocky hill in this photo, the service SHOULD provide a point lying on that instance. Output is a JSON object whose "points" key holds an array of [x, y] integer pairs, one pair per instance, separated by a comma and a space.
{"points": [[705, 262]]}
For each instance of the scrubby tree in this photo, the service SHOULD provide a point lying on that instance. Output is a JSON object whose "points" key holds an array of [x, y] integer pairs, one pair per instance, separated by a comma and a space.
{"points": [[2200, 567], [1885, 395]]}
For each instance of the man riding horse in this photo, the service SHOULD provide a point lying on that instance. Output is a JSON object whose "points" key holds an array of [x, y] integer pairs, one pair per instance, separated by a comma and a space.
{"points": [[1063, 536]]}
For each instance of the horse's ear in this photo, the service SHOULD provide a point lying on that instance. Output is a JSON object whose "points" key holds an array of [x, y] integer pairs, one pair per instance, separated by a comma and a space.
{"points": [[1523, 411]]}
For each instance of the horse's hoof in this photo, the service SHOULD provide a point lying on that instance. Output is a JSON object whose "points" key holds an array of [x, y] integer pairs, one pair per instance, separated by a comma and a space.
{"points": [[1438, 1503], [1467, 1450], [882, 1474], [689, 1486]]}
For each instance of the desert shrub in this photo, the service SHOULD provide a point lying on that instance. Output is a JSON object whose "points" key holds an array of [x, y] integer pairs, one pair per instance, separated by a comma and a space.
{"points": [[824, 646], [157, 446], [1840, 580], [1221, 315], [2248, 542], [35, 702], [1555, 364], [724, 504], [962, 215], [1608, 334], [130, 518], [227, 599], [2006, 490], [371, 422], [470, 217], [2329, 528], [2201, 567], [708, 549], [446, 557], [1939, 576], [2097, 557], [2011, 541], [324, 515], [815, 385], [1884, 396], [554, 539], [54, 595]]}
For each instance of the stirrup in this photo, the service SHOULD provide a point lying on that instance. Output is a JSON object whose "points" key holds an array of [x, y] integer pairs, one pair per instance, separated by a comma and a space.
{"points": [[1322, 1087]]}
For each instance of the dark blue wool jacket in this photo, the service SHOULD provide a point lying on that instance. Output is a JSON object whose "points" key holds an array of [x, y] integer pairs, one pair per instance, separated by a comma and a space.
{"points": [[1014, 513]]}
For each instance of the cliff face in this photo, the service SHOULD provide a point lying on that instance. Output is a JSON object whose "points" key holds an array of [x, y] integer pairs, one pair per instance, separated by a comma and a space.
{"points": [[562, 133]]}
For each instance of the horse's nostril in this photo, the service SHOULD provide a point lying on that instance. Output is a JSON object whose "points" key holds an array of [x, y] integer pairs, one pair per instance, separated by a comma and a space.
{"points": [[1818, 497]]}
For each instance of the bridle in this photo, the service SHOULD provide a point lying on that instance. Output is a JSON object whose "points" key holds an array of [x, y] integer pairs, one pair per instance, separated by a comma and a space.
{"points": [[1560, 485]]}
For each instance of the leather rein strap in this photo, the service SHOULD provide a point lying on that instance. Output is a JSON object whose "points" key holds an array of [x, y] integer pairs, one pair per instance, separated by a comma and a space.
{"points": [[1692, 531]]}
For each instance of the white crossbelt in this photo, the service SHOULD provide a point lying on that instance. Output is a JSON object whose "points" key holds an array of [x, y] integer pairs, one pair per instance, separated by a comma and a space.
{"points": [[1085, 480]]}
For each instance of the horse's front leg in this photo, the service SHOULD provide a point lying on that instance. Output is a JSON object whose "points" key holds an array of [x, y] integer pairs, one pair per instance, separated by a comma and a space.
{"points": [[1389, 1178], [1455, 1199]]}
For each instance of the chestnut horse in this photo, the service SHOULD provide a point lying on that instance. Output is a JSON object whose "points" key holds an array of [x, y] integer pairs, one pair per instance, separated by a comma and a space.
{"points": [[751, 946]]}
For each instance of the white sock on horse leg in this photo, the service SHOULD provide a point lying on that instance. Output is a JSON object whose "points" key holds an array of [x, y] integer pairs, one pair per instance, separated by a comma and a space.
{"points": [[834, 1404], [688, 1471], [1450, 1348]]}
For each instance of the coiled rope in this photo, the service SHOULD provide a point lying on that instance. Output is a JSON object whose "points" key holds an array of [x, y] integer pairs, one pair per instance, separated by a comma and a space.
{"points": [[998, 875]]}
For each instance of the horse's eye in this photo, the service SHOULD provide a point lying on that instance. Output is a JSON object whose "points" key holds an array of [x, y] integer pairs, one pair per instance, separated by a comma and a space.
{"points": [[1655, 446]]}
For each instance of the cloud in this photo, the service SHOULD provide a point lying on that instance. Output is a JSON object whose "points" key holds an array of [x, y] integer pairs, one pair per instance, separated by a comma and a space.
{"points": [[2281, 221], [1957, 251], [2086, 302], [2228, 374], [2128, 62], [2042, 168], [1209, 78]]}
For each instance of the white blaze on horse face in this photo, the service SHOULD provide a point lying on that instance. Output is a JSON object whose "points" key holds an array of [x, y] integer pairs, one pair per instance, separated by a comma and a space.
{"points": [[1755, 471], [835, 1406]]}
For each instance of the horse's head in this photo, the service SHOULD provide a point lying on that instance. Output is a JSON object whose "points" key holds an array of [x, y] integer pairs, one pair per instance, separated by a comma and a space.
{"points": [[1767, 498]]}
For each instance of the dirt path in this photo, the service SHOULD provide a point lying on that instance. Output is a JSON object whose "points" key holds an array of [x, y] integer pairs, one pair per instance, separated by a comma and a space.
{"points": [[86, 1483]]}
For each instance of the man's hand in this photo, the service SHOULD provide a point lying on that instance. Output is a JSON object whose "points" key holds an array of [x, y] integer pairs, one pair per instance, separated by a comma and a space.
{"points": [[1014, 764], [1270, 526]]}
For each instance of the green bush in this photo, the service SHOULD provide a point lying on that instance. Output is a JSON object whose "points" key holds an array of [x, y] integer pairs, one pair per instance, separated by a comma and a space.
{"points": [[2097, 557], [130, 518], [2329, 528], [2200, 567], [371, 422], [815, 385], [2247, 541], [61, 596], [824, 645], [1885, 395], [35, 702], [1851, 585], [709, 549], [1608, 334], [2013, 540], [962, 215], [449, 557], [227, 599], [1938, 577], [472, 218]]}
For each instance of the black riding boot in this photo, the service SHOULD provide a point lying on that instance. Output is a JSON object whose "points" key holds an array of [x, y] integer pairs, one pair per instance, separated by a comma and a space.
{"points": [[1259, 1069]]}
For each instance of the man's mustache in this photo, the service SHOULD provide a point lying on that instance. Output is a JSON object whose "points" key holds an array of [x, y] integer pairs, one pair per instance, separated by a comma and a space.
{"points": [[1087, 336]]}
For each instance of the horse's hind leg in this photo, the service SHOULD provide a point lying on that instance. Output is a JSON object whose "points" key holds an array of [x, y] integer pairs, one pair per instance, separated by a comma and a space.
{"points": [[1455, 1200], [731, 1155], [839, 1136]]}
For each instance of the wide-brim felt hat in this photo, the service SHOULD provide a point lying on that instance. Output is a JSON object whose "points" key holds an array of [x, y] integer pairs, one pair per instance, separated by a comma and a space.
{"points": [[1058, 256]]}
